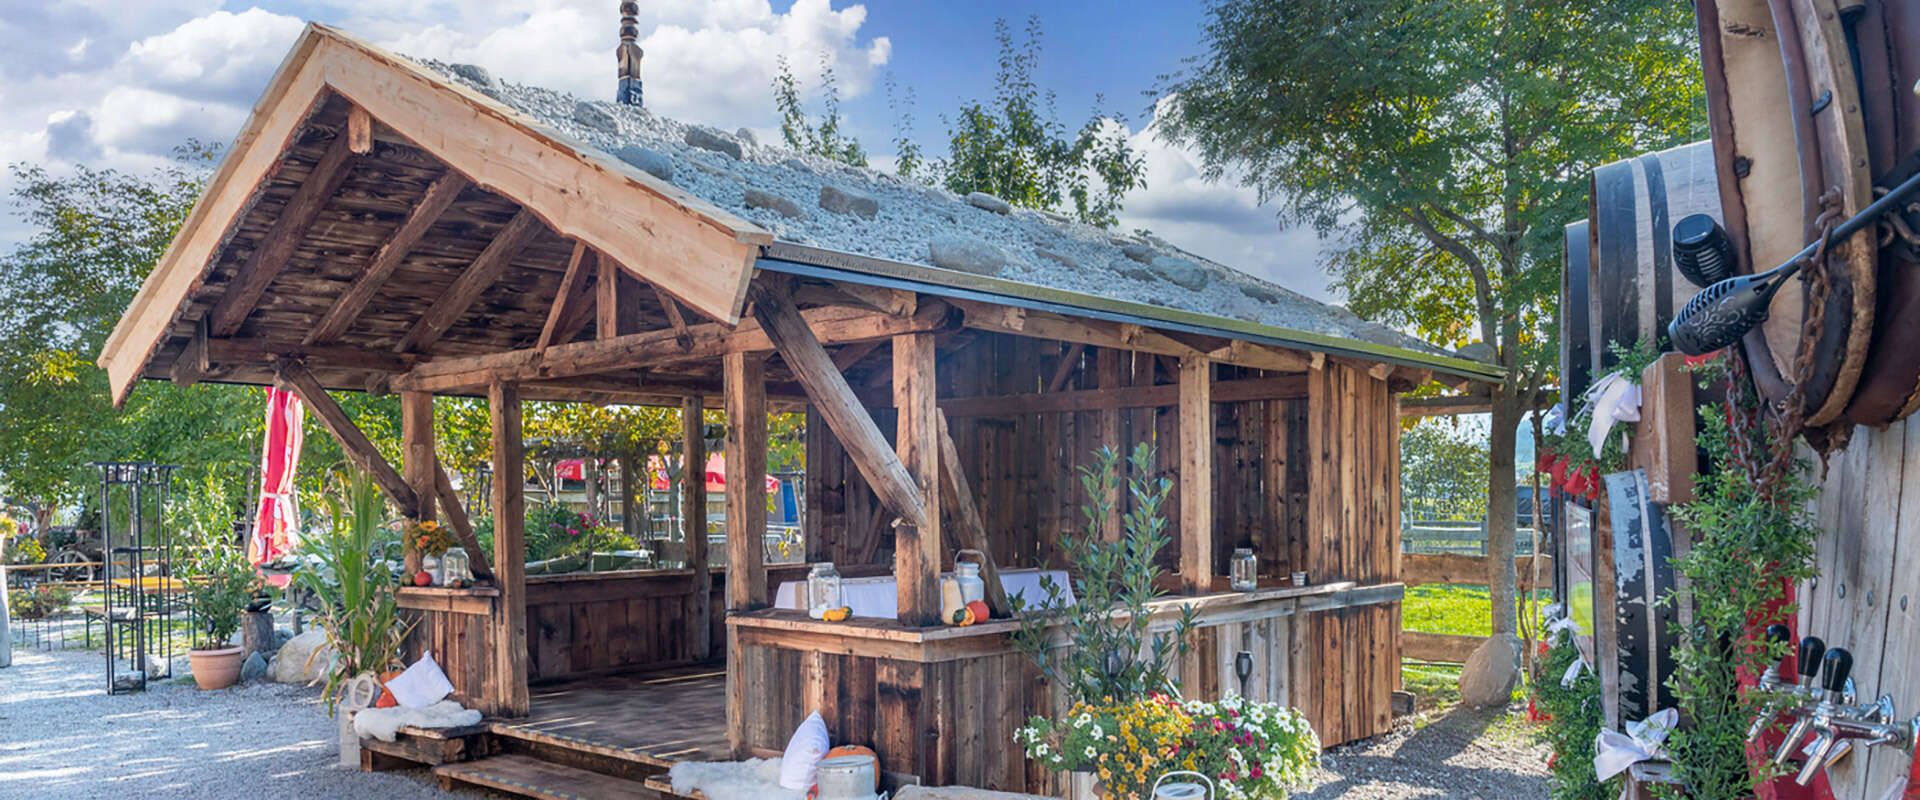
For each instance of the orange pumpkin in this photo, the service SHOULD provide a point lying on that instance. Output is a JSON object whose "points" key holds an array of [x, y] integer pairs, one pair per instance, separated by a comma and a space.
{"points": [[387, 699], [858, 750], [980, 612]]}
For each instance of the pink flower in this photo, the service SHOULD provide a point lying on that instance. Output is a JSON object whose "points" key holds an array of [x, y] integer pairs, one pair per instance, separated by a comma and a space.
{"points": [[1254, 773], [573, 531], [1219, 725]]}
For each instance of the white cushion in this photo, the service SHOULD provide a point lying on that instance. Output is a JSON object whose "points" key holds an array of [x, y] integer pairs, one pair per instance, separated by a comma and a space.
{"points": [[421, 685], [804, 751]]}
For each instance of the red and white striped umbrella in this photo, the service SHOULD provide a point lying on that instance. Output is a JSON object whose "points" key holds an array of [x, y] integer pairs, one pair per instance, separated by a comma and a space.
{"points": [[276, 531]]}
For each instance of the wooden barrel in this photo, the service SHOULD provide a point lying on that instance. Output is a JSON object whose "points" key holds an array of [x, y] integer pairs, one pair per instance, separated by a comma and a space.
{"points": [[1633, 288], [1788, 130], [1576, 348]]}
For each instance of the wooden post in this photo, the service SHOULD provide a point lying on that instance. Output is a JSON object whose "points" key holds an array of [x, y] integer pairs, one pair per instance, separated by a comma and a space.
{"points": [[509, 620], [1196, 475], [418, 463], [746, 402], [916, 553], [693, 522], [1112, 375]]}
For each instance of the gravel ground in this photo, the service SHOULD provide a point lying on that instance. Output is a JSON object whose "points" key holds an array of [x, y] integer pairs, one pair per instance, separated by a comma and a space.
{"points": [[1461, 754], [62, 736]]}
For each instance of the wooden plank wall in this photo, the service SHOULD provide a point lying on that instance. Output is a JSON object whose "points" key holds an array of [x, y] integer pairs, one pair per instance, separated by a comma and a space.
{"points": [[587, 624], [459, 636], [1866, 599]]}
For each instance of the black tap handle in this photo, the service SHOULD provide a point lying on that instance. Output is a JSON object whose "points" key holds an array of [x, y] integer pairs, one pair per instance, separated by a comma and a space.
{"points": [[1835, 668], [1811, 649], [1778, 632]]}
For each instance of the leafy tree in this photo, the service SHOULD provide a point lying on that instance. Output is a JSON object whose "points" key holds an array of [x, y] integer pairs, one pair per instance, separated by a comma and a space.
{"points": [[1013, 146], [907, 160], [822, 138], [1443, 472], [1441, 145]]}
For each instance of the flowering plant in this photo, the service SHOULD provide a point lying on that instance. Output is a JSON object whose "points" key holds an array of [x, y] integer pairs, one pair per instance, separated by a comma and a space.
{"points": [[1250, 749], [427, 537]]}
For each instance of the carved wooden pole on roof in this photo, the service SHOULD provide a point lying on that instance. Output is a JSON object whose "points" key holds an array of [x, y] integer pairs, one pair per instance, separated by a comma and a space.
{"points": [[629, 54]]}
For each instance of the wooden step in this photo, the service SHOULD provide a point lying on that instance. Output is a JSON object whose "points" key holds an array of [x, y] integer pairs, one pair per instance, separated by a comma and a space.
{"points": [[576, 752], [526, 776]]}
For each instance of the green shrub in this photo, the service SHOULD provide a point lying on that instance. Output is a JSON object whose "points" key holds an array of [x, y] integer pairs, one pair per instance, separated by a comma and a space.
{"points": [[1575, 716]]}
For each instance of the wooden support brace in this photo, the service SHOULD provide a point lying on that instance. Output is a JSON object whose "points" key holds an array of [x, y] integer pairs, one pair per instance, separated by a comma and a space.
{"points": [[574, 295], [294, 376], [1064, 372], [675, 320], [838, 405], [457, 519], [194, 360], [971, 531]]}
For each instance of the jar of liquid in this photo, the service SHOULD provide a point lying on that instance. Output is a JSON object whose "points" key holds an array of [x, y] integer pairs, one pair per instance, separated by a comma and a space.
{"points": [[823, 590], [1243, 572]]}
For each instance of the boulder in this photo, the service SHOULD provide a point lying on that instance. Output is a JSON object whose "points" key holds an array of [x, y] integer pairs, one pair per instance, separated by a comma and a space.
{"points": [[1182, 272], [254, 668], [1058, 258], [593, 117], [1138, 252], [652, 162], [1491, 672], [473, 73], [303, 659], [1261, 292], [745, 135], [982, 200], [708, 139], [840, 201], [1478, 351], [966, 254], [1132, 269], [778, 204]]}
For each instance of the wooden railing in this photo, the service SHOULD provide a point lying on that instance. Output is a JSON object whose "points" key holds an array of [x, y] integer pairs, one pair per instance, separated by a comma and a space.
{"points": [[1421, 569]]}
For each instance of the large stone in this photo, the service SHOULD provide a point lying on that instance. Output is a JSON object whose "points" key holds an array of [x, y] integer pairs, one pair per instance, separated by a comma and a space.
{"points": [[707, 139], [474, 74], [1261, 292], [254, 668], [652, 162], [1132, 269], [988, 202], [745, 135], [1491, 672], [1182, 272], [966, 254], [303, 659], [840, 201], [594, 117], [1058, 258], [778, 204], [1138, 252], [1478, 351]]}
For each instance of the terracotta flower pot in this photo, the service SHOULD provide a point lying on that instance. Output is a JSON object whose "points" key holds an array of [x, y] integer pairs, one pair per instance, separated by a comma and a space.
{"points": [[216, 668]]}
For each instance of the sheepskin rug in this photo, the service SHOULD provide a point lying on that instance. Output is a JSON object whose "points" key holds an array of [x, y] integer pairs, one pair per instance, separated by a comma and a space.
{"points": [[384, 723], [754, 779]]}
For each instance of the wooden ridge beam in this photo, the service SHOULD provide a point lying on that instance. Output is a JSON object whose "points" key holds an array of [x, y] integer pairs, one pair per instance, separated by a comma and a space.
{"points": [[271, 254], [653, 348], [296, 378], [438, 197], [971, 531], [794, 339], [576, 290], [473, 282], [255, 351]]}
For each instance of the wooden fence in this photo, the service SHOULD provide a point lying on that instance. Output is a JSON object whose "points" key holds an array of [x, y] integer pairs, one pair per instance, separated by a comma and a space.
{"points": [[1417, 569]]}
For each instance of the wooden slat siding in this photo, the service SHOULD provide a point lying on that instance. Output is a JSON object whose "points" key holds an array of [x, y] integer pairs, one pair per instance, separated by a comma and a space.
{"points": [[439, 196], [746, 452], [289, 228], [693, 522], [456, 634], [508, 636], [449, 503]]}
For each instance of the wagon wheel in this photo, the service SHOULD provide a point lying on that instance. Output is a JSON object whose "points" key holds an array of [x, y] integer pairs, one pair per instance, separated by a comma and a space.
{"points": [[72, 566]]}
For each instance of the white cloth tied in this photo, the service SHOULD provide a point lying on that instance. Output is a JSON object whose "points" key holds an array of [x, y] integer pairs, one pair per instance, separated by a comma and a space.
{"points": [[1614, 752], [1615, 398]]}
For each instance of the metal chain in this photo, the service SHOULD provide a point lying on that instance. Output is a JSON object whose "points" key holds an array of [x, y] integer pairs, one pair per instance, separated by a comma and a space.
{"points": [[1789, 419]]}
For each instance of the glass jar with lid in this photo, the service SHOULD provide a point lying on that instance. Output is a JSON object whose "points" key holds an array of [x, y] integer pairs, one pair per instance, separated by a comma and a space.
{"points": [[823, 590], [1243, 571], [455, 566]]}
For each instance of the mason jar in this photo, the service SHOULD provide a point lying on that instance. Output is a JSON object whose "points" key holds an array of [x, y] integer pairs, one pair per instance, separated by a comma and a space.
{"points": [[1243, 572], [823, 590]]}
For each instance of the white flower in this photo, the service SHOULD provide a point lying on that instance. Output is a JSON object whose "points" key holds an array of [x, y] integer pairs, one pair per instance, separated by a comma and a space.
{"points": [[1040, 749], [1098, 733], [1092, 753], [1056, 759]]}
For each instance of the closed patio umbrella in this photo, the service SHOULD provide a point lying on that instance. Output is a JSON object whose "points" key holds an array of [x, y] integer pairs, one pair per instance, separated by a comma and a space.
{"points": [[275, 530]]}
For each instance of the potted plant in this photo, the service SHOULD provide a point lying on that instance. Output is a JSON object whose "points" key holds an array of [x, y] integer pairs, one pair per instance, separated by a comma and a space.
{"points": [[1247, 748], [222, 585], [355, 586]]}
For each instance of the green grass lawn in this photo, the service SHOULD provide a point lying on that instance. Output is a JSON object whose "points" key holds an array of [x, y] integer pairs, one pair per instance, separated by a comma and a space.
{"points": [[1463, 610]]}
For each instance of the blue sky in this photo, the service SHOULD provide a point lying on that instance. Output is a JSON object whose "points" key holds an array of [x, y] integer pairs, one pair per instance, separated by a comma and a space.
{"points": [[116, 84]]}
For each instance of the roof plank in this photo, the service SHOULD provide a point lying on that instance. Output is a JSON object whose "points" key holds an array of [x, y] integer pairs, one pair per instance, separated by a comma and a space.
{"points": [[420, 219], [475, 281], [272, 254]]}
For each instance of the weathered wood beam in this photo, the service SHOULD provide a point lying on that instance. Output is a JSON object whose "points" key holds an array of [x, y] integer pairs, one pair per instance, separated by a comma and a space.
{"points": [[1258, 356], [359, 131], [438, 197], [1064, 371], [916, 553], [255, 351], [746, 450], [1196, 475], [653, 348], [295, 377], [850, 356], [576, 289], [473, 282], [838, 405], [192, 364], [675, 320], [509, 619], [271, 253], [693, 522], [1111, 364], [970, 532], [882, 299], [418, 462], [477, 557], [1157, 396]]}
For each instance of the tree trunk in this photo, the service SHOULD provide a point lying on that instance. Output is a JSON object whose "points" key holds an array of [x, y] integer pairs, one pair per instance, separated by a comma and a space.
{"points": [[1500, 509]]}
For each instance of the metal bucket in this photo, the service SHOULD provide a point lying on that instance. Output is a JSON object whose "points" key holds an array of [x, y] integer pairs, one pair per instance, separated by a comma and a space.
{"points": [[847, 778]]}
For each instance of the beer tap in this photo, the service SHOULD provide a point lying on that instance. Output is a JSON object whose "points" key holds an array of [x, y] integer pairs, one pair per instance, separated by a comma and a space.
{"points": [[1780, 691], [1812, 661], [1841, 725]]}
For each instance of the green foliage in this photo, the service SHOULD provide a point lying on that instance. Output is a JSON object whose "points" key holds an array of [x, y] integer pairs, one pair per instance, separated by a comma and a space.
{"points": [[1013, 146], [214, 562], [908, 162], [822, 138], [1465, 610], [1443, 471], [354, 582], [1112, 655], [38, 602], [1753, 539], [1575, 716]]}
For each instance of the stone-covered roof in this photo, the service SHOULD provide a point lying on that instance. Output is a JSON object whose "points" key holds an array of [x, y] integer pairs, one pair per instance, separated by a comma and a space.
{"points": [[821, 203]]}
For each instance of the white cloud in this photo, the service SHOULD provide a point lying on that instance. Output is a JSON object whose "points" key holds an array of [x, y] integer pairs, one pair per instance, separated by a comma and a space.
{"points": [[1223, 220]]}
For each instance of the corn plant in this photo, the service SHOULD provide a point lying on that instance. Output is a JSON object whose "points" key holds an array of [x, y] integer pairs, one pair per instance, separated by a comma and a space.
{"points": [[354, 583]]}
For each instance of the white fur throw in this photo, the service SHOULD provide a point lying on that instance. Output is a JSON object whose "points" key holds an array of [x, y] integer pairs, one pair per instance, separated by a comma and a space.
{"points": [[755, 779], [384, 723]]}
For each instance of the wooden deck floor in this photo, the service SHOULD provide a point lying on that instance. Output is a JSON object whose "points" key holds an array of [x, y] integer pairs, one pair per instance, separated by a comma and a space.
{"points": [[673, 715]]}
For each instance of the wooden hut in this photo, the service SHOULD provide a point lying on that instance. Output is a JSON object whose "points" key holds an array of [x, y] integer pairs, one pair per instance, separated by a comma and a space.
{"points": [[381, 225]]}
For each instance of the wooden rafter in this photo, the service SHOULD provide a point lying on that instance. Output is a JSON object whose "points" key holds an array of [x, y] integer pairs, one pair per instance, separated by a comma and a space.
{"points": [[573, 298], [478, 559], [438, 197], [271, 254], [473, 282], [838, 405], [296, 378], [675, 319], [849, 356], [194, 360], [1068, 363], [257, 351], [654, 348], [970, 532]]}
